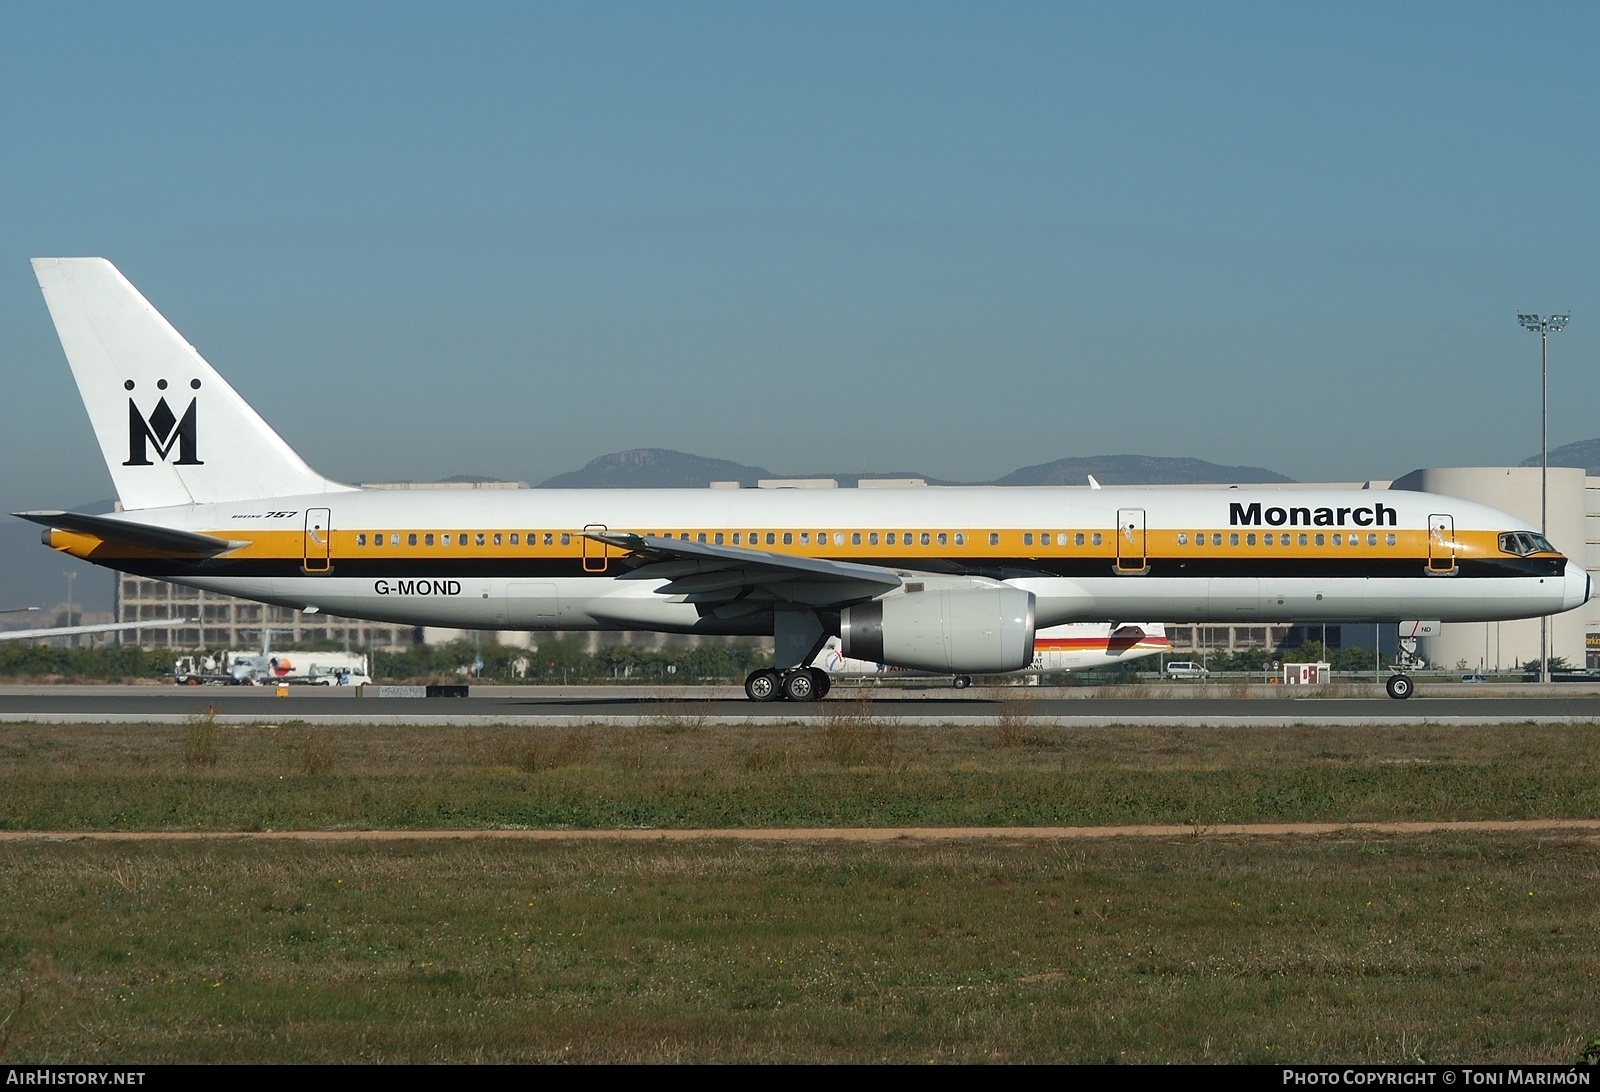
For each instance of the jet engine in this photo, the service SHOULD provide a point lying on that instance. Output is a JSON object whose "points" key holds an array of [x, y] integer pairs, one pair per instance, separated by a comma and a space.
{"points": [[957, 631]]}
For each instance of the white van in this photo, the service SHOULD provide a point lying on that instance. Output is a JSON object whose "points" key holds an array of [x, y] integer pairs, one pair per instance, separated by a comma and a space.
{"points": [[1186, 669]]}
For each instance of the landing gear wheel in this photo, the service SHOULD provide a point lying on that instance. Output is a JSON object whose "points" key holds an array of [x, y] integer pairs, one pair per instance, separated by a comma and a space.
{"points": [[762, 686], [800, 685], [1399, 687], [824, 684], [963, 681]]}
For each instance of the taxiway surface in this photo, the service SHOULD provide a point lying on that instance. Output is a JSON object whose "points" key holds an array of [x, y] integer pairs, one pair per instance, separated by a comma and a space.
{"points": [[567, 706]]}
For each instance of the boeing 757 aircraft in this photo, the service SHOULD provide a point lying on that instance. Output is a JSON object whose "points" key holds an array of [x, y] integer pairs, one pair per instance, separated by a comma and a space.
{"points": [[953, 581]]}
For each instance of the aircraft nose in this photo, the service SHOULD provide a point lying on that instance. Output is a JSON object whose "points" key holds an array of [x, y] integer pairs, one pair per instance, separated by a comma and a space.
{"points": [[1577, 587]]}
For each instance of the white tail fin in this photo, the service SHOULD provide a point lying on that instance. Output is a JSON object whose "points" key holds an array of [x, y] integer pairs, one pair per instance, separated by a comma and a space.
{"points": [[171, 429]]}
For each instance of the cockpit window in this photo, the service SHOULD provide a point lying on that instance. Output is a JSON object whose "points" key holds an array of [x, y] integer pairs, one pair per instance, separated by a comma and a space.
{"points": [[1523, 543]]}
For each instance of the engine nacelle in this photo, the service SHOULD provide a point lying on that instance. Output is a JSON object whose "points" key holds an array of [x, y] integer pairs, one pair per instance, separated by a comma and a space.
{"points": [[959, 631]]}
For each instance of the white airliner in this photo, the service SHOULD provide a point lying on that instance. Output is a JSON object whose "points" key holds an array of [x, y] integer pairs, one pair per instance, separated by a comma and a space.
{"points": [[76, 631], [953, 581], [1076, 646]]}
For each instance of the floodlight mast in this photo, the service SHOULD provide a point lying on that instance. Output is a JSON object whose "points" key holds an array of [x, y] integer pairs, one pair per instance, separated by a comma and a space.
{"points": [[1544, 327]]}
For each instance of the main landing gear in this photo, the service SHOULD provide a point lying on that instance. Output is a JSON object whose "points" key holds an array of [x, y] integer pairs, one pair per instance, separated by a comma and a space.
{"points": [[795, 684]]}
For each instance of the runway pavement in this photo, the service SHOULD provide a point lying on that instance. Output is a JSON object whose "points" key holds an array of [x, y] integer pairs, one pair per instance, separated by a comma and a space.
{"points": [[1439, 703]]}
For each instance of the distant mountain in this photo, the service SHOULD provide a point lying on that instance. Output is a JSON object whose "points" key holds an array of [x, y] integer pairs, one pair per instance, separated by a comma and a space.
{"points": [[1584, 453], [1138, 470], [656, 468]]}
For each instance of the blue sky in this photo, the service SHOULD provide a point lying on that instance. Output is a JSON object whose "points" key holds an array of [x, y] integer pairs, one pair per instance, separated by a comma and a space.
{"points": [[956, 239]]}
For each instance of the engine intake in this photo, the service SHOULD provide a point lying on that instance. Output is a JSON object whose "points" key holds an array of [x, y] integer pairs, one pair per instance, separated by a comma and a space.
{"points": [[957, 631]]}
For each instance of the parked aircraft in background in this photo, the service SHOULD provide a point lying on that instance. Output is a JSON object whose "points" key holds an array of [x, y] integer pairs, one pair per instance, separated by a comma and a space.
{"points": [[951, 581], [1076, 646], [105, 627]]}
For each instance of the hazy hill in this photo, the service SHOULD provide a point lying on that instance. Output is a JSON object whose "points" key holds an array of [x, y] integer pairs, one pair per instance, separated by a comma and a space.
{"points": [[658, 468], [1584, 453], [1138, 470], [655, 468]]}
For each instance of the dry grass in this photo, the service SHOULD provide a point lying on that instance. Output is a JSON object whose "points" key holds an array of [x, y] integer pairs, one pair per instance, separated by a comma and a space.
{"points": [[854, 734], [200, 746], [1476, 950], [857, 768]]}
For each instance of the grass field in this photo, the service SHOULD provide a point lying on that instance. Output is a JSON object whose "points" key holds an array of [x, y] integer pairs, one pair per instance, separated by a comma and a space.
{"points": [[852, 771], [1352, 948], [1368, 950]]}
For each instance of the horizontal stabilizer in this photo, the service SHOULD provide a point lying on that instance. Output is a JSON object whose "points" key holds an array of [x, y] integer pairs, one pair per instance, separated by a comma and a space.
{"points": [[133, 534]]}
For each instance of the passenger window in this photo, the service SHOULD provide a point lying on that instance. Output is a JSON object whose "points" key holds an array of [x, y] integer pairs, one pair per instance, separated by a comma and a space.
{"points": [[1372, 540], [1216, 539], [1302, 540], [394, 539], [1233, 539], [1388, 540], [427, 539], [994, 539], [682, 536], [889, 539], [719, 538], [736, 538], [478, 538], [1338, 539], [361, 539], [923, 538], [1249, 540], [1077, 539], [838, 538], [411, 540], [1097, 539], [1320, 540], [961, 539], [772, 539], [943, 541], [1027, 538], [872, 538], [805, 538], [377, 539], [515, 541], [549, 538], [855, 538], [497, 541], [1183, 539], [788, 538], [566, 538], [701, 537]]}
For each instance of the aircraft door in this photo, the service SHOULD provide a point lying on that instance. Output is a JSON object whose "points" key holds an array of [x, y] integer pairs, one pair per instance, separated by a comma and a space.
{"points": [[1441, 544], [596, 554], [318, 553], [1131, 556]]}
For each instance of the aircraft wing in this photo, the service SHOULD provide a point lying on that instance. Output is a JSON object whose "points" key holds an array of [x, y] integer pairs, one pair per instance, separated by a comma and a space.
{"points": [[734, 580], [129, 533], [106, 627]]}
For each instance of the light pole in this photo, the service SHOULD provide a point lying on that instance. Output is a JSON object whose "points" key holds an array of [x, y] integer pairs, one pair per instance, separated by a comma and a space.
{"points": [[70, 574], [1544, 327]]}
